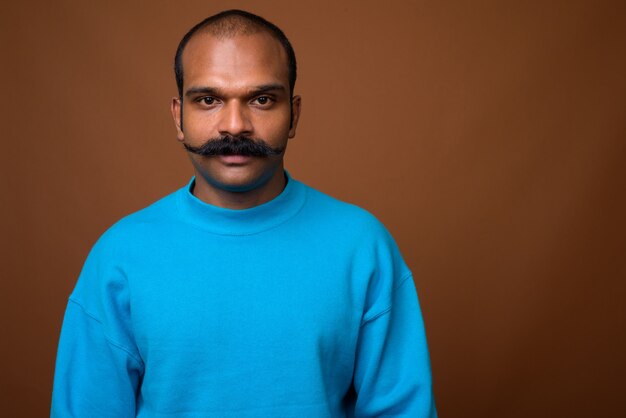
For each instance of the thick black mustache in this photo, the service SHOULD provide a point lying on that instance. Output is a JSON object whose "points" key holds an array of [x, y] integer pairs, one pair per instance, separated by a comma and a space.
{"points": [[235, 145]]}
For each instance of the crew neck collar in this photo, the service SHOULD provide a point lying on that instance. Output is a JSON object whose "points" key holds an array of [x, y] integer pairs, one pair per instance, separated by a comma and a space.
{"points": [[249, 221]]}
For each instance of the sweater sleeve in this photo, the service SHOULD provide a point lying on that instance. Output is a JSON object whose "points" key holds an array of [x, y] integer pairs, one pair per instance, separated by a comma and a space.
{"points": [[98, 367], [392, 372]]}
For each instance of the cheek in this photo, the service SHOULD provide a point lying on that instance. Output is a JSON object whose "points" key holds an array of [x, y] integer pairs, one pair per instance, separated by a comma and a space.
{"points": [[196, 125], [276, 127]]}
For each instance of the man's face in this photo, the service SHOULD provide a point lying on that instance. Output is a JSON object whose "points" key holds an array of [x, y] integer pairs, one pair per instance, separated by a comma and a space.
{"points": [[236, 86]]}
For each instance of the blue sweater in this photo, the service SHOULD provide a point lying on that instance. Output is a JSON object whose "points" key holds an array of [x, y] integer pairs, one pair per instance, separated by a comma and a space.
{"points": [[300, 307]]}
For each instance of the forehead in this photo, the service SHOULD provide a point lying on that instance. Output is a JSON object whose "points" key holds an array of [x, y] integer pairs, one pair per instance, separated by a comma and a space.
{"points": [[237, 61]]}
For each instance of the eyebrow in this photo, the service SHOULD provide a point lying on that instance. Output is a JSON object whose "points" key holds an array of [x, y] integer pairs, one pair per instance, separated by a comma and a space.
{"points": [[201, 90], [268, 87], [264, 88]]}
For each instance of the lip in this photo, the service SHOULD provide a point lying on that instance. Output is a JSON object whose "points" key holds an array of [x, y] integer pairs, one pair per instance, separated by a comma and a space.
{"points": [[235, 159]]}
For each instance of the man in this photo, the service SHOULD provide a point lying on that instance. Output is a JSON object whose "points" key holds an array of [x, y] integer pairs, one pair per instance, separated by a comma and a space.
{"points": [[245, 293]]}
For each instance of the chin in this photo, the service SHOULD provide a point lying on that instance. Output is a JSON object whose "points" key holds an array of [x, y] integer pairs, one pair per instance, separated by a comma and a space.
{"points": [[241, 182]]}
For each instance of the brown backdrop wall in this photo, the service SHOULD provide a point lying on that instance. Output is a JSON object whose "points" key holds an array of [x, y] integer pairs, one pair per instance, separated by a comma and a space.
{"points": [[488, 136]]}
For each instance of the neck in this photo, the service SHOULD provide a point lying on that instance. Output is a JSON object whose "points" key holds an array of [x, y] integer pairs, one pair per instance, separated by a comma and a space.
{"points": [[227, 199]]}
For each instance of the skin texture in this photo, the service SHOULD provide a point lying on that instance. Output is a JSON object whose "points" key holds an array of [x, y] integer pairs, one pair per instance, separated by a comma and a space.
{"points": [[239, 86]]}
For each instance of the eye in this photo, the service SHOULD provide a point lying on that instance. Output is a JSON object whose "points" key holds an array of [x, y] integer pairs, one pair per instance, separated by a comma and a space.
{"points": [[208, 100], [263, 100]]}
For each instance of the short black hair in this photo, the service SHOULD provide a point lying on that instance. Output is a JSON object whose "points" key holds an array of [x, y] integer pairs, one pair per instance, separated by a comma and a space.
{"points": [[230, 23]]}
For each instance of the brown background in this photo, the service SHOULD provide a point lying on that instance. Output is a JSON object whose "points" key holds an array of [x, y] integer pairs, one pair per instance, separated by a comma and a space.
{"points": [[489, 137]]}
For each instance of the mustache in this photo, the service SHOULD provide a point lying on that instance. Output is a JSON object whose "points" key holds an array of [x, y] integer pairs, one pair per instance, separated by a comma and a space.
{"points": [[235, 145]]}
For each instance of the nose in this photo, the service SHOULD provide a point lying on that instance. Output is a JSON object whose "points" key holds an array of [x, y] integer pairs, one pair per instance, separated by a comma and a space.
{"points": [[234, 120]]}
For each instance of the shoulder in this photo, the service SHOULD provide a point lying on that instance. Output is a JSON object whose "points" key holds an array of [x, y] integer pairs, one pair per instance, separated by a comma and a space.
{"points": [[372, 251], [163, 210], [326, 206], [120, 244], [351, 228], [140, 225], [324, 209]]}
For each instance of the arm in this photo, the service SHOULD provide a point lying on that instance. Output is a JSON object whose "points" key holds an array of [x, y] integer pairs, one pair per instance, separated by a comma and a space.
{"points": [[98, 367], [95, 376], [392, 373]]}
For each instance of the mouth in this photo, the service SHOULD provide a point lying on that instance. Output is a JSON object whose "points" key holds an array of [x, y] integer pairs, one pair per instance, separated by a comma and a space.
{"points": [[235, 159]]}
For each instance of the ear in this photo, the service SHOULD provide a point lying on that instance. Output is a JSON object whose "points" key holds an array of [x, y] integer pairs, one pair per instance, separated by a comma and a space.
{"points": [[296, 104], [176, 108]]}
